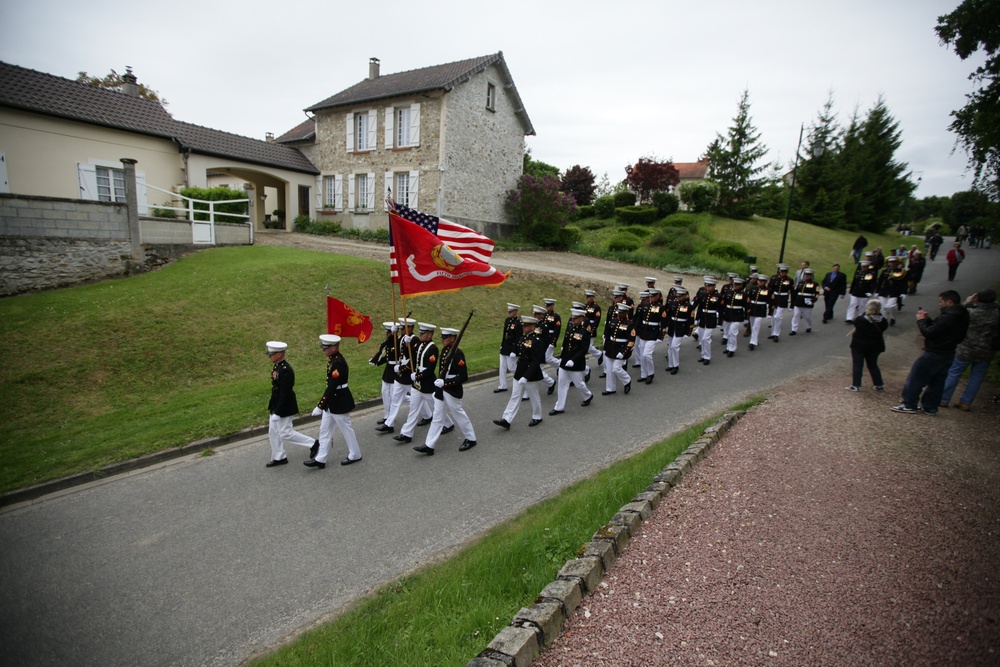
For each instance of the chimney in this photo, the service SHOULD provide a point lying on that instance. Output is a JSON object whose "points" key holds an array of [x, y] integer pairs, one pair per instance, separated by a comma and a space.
{"points": [[269, 137], [129, 83], [373, 68]]}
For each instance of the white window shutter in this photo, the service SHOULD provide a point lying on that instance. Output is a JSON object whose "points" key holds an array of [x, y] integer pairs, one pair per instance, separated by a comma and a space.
{"points": [[415, 124], [370, 204], [372, 132], [390, 122], [87, 177], [140, 193], [414, 187], [351, 180], [350, 132], [338, 192], [388, 186], [4, 182]]}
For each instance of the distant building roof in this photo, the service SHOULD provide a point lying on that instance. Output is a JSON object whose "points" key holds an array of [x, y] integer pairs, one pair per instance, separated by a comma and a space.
{"points": [[438, 77], [304, 131], [29, 90], [692, 170]]}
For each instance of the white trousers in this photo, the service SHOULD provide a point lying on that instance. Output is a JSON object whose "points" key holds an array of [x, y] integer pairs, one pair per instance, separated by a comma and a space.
{"points": [[328, 425], [705, 341], [387, 398], [421, 406], [566, 377], [779, 314], [398, 394], [448, 412], [280, 431], [856, 307], [890, 306], [674, 352], [550, 359], [507, 365], [755, 329], [615, 368], [806, 314], [529, 388], [732, 335], [645, 350]]}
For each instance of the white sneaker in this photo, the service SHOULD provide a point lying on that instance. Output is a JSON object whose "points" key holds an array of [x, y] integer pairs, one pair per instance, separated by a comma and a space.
{"points": [[853, 388]]}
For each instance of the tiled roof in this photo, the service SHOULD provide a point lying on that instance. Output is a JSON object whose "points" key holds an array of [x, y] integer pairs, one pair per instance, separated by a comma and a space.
{"points": [[692, 170], [29, 90], [304, 131], [438, 77]]}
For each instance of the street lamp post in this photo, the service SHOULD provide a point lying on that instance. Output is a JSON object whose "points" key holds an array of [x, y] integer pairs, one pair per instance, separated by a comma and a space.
{"points": [[817, 150]]}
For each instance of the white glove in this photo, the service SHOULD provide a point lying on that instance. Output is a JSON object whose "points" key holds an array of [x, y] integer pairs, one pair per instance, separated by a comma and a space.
{"points": [[413, 377], [316, 412], [439, 383], [619, 356], [396, 368], [569, 364], [394, 328], [513, 356], [371, 363], [523, 381]]}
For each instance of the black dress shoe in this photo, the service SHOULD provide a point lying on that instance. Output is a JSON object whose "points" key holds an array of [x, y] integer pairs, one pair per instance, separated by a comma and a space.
{"points": [[556, 412], [809, 330], [649, 380], [674, 370], [499, 391], [448, 429], [381, 421], [502, 422], [402, 438], [775, 339], [524, 398], [467, 445], [348, 461], [752, 347], [534, 422], [552, 388], [278, 462], [314, 450], [587, 402], [730, 354], [424, 449], [707, 362], [600, 359], [313, 463], [425, 421], [607, 393], [636, 365], [792, 333], [628, 388], [603, 375], [384, 429]]}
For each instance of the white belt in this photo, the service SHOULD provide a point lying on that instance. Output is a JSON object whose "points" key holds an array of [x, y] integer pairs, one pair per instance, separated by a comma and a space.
{"points": [[622, 340], [343, 386]]}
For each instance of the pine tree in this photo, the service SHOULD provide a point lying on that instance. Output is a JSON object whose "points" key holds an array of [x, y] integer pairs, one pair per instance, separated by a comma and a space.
{"points": [[734, 164], [821, 189]]}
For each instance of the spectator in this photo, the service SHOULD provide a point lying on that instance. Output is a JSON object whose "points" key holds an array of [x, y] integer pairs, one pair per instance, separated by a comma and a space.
{"points": [[859, 245], [878, 259], [955, 257], [915, 270], [925, 384], [976, 350], [934, 244], [866, 344], [962, 232]]}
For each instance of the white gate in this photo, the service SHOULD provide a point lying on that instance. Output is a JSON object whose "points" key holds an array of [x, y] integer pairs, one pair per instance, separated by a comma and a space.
{"points": [[202, 231]]}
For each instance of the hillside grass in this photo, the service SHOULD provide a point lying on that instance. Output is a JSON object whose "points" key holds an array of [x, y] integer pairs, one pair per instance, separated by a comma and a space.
{"points": [[106, 372]]}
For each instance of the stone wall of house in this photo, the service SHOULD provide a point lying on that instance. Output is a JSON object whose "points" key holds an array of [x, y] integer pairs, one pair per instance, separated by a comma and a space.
{"points": [[48, 242], [484, 154]]}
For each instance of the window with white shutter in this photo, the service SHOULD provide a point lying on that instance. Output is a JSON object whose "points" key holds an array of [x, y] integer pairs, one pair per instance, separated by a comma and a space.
{"points": [[329, 191], [338, 193], [370, 192]]}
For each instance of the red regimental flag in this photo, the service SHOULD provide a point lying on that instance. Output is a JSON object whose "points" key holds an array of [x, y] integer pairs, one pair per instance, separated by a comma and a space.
{"points": [[346, 322], [424, 264]]}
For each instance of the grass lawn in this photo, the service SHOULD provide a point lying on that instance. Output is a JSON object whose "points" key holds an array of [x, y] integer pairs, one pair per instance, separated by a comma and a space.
{"points": [[109, 371]]}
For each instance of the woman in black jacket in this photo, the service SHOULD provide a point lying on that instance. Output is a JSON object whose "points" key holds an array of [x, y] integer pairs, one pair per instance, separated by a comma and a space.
{"points": [[867, 343]]}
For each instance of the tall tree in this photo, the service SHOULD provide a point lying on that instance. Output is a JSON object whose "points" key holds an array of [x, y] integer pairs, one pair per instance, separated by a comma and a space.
{"points": [[115, 81], [578, 182], [735, 164], [537, 168], [975, 26], [650, 175], [821, 188]]}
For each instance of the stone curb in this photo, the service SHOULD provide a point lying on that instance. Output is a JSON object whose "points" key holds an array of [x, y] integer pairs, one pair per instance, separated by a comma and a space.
{"points": [[537, 626], [51, 486]]}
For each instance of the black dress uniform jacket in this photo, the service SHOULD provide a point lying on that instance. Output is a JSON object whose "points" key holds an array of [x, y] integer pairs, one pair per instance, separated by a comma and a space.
{"points": [[337, 398], [454, 372], [512, 332], [425, 363], [531, 356], [386, 356], [575, 347], [283, 401]]}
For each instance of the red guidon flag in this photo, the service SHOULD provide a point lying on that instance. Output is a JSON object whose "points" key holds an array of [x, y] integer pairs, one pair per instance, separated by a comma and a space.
{"points": [[425, 264], [346, 322]]}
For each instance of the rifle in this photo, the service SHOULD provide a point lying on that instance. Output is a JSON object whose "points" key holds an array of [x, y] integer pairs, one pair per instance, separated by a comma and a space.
{"points": [[458, 339]]}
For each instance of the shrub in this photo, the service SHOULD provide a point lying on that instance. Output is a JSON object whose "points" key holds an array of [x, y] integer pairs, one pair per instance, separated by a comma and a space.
{"points": [[675, 239], [604, 207], [623, 199], [624, 241], [728, 250], [666, 203], [568, 237], [586, 211], [700, 196], [319, 227], [641, 232], [165, 212], [637, 215], [591, 224], [218, 194], [539, 208]]}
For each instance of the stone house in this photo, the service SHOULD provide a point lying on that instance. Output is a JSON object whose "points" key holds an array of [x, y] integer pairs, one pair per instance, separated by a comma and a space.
{"points": [[64, 139], [447, 139]]}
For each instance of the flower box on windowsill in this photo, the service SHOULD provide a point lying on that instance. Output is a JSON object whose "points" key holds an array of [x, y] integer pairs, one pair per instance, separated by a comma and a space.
{"points": [[328, 211]]}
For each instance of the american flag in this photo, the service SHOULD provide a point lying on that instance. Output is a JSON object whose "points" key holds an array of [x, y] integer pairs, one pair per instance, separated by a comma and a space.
{"points": [[466, 242]]}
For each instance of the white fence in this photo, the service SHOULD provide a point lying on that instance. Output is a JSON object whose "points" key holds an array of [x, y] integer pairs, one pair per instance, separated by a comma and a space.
{"points": [[202, 231]]}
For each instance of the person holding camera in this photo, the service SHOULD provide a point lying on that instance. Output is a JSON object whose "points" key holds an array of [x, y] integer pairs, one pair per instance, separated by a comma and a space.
{"points": [[976, 350]]}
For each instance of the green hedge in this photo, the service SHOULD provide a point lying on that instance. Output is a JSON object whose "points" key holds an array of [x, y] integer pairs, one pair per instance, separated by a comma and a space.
{"points": [[604, 207], [637, 215], [624, 241], [728, 250]]}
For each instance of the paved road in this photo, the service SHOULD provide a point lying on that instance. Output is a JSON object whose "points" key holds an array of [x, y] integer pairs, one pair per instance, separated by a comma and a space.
{"points": [[207, 561]]}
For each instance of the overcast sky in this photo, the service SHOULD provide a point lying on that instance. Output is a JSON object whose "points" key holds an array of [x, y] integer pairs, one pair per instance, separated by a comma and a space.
{"points": [[603, 82]]}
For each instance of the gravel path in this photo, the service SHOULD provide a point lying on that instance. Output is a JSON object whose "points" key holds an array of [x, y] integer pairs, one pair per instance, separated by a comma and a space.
{"points": [[823, 529]]}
